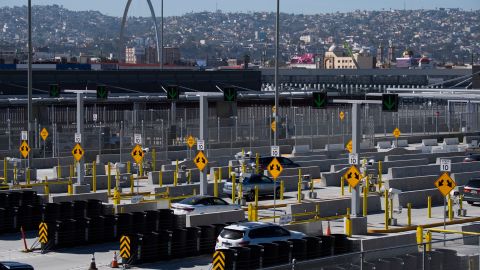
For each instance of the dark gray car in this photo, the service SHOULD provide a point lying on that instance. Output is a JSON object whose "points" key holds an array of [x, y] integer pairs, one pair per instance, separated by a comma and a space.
{"points": [[265, 185], [471, 191]]}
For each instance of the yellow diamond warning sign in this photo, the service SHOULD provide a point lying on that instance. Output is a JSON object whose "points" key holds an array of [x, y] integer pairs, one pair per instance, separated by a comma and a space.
{"points": [[24, 149], [78, 152], [349, 146], [353, 176], [273, 126], [396, 133], [275, 168], [201, 160], [342, 115], [44, 134], [190, 141], [137, 154], [445, 184]]}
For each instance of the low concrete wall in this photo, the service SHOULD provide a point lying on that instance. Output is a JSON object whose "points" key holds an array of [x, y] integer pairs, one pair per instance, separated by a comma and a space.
{"points": [[412, 183], [455, 159], [141, 207], [313, 171], [304, 157], [323, 165], [386, 165], [462, 178], [432, 157], [215, 218], [401, 172], [332, 178], [470, 239], [45, 163], [331, 207], [387, 243], [102, 196], [310, 228], [167, 177], [184, 190], [418, 198]]}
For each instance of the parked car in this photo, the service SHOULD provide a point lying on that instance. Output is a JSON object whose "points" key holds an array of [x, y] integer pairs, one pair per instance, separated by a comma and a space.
{"points": [[471, 191], [472, 157], [249, 181], [264, 161], [15, 265], [202, 204], [254, 233]]}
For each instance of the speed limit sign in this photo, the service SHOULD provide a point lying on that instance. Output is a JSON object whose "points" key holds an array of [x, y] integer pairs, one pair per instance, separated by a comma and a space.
{"points": [[445, 165], [353, 159], [275, 151]]}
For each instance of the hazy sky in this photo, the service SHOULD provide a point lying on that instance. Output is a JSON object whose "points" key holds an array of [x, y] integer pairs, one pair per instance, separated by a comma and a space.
{"points": [[178, 7]]}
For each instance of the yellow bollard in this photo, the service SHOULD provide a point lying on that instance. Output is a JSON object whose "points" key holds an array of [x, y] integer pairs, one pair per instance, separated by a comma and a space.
{"points": [[129, 167], [299, 186], [348, 224], [282, 189], [154, 159], [28, 176], [429, 206], [243, 168], [5, 173], [189, 176], [250, 217], [140, 169], [409, 214], [175, 178], [349, 188], [132, 184], [256, 198], [70, 187], [428, 241], [116, 196], [342, 186], [94, 176], [220, 174], [450, 208], [194, 192], [240, 193], [386, 210], [419, 236], [317, 211], [365, 197], [46, 188], [117, 179], [71, 169], [229, 171], [176, 165], [160, 178], [59, 170], [234, 188], [257, 163], [215, 184], [380, 174], [460, 202], [109, 179], [391, 208]]}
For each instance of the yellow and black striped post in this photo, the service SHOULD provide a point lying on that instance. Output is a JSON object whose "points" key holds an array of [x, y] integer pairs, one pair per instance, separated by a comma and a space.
{"points": [[43, 233], [125, 247], [218, 261]]}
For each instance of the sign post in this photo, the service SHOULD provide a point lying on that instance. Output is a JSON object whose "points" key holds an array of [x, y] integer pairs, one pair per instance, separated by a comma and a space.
{"points": [[44, 135], [396, 134], [275, 169], [137, 155], [445, 184]]}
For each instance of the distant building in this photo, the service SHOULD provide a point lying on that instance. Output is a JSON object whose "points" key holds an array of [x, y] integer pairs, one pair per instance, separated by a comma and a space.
{"points": [[8, 57], [408, 61], [171, 55], [135, 55], [306, 39], [338, 58]]}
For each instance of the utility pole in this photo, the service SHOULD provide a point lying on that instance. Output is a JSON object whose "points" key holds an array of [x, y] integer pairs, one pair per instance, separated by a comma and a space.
{"points": [[161, 36]]}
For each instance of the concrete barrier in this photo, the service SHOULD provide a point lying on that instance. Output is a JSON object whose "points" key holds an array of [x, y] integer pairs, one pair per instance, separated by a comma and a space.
{"points": [[303, 157], [451, 141], [102, 196], [332, 178], [418, 198], [429, 142], [330, 208], [410, 171], [455, 159], [323, 165], [141, 207], [384, 145], [167, 177], [44, 163], [412, 183], [386, 165], [300, 149], [185, 190], [400, 143], [313, 171], [387, 243], [469, 239], [432, 157], [215, 218], [462, 178], [334, 147], [314, 228]]}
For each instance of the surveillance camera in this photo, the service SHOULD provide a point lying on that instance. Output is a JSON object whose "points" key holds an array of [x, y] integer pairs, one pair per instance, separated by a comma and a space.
{"points": [[454, 193]]}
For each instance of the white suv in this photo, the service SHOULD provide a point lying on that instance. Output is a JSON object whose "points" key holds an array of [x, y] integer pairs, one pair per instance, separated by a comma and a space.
{"points": [[254, 233]]}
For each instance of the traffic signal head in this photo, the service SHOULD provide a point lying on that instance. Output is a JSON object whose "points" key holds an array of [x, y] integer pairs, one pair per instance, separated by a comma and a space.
{"points": [[230, 94], [102, 92], [173, 93], [54, 91], [320, 100], [390, 102]]}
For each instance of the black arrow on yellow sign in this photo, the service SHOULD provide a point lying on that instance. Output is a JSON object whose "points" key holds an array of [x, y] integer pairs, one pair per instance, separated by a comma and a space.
{"points": [[125, 247], [200, 159], [356, 176], [43, 233]]}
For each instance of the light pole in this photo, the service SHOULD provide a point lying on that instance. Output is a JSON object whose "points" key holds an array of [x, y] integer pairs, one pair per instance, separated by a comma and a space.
{"points": [[29, 87], [161, 37], [277, 43]]}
